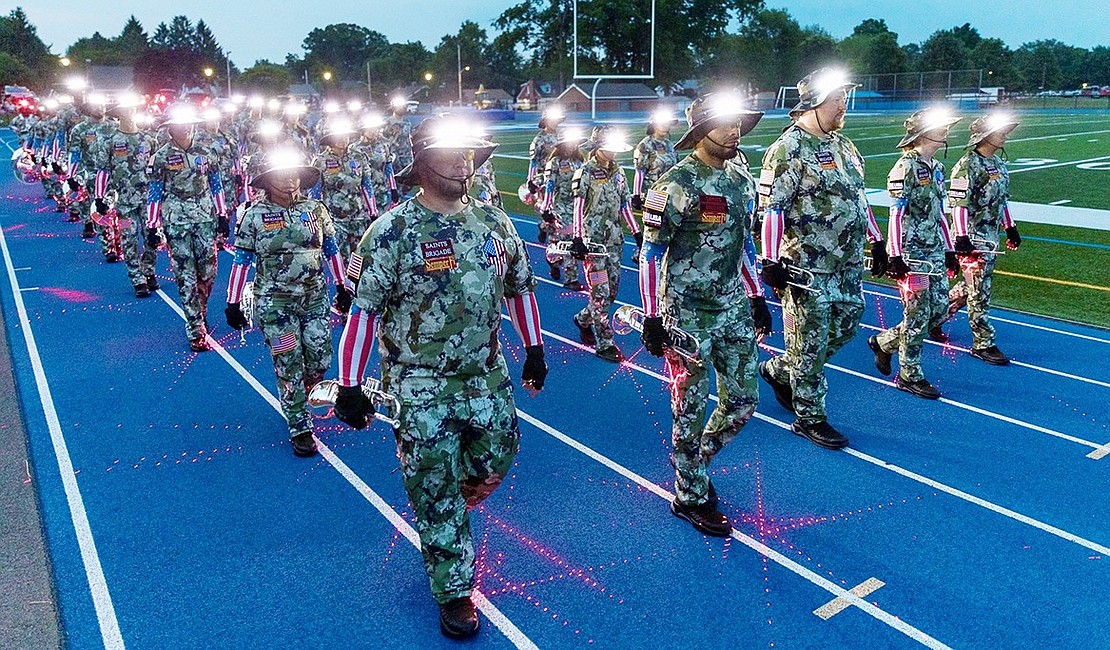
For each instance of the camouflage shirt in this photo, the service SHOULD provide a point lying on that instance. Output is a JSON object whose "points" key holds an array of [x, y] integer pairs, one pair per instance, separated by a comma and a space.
{"points": [[184, 174], [917, 186], [818, 185], [605, 196], [558, 177], [704, 217], [538, 153], [83, 137], [378, 158], [343, 175], [654, 156], [982, 185], [125, 156], [398, 136], [437, 283], [288, 246]]}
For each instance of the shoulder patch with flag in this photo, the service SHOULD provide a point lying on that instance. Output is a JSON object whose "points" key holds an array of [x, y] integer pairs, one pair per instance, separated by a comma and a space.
{"points": [[283, 343], [354, 267], [494, 249], [766, 180], [655, 203]]}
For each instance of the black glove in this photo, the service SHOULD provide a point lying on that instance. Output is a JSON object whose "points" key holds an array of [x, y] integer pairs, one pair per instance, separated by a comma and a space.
{"points": [[1013, 239], [578, 249], [639, 237], [655, 336], [395, 195], [72, 184], [223, 226], [351, 406], [637, 202], [952, 263], [761, 316], [56, 168], [548, 216], [879, 259], [152, 239], [535, 368], [533, 188], [343, 299], [898, 269], [235, 318], [774, 274], [100, 206], [963, 245]]}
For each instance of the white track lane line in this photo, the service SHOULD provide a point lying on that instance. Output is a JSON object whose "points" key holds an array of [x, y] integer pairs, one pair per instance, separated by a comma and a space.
{"points": [[882, 464], [942, 400], [510, 630], [752, 543], [94, 572]]}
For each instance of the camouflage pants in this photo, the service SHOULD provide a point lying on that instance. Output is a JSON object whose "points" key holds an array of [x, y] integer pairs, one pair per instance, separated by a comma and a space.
{"points": [[133, 235], [815, 328], [728, 345], [302, 365], [924, 306], [192, 248], [974, 289], [603, 275], [455, 448]]}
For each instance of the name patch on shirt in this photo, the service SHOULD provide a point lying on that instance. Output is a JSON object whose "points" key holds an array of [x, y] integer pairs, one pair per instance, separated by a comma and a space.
{"points": [[120, 149], [923, 176], [273, 220], [993, 172], [175, 162], [438, 255], [331, 166], [713, 208], [827, 160], [766, 179]]}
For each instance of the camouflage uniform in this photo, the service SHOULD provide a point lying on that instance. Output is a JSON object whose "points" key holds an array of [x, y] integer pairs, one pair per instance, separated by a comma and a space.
{"points": [[980, 185], [817, 184], [485, 184], [226, 150], [652, 158], [82, 139], [917, 231], [287, 247], [558, 179], [123, 158], [397, 133], [703, 218], [47, 140], [379, 160], [601, 198], [436, 283], [183, 198], [346, 189], [538, 153]]}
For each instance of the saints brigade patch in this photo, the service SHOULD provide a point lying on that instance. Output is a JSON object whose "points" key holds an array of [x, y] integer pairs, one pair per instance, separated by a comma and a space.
{"points": [[354, 267], [331, 166], [438, 255], [827, 160], [654, 204], [895, 181], [923, 176], [766, 180], [957, 189], [713, 208], [119, 150], [175, 162], [992, 171], [273, 220], [599, 174]]}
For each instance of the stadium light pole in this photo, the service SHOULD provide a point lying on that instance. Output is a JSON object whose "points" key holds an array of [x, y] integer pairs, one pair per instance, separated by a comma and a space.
{"points": [[228, 62]]}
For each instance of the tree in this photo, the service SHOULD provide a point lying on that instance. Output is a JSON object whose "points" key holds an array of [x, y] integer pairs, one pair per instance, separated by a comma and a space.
{"points": [[1050, 64], [19, 39], [178, 35], [873, 49], [15, 71], [997, 62], [767, 53], [944, 50], [265, 78], [401, 64], [133, 39], [97, 50], [343, 49]]}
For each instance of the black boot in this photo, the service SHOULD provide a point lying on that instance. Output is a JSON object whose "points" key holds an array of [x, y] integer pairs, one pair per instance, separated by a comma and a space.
{"points": [[820, 433], [152, 282], [921, 388], [611, 353], [457, 618], [142, 291], [585, 332], [882, 359], [784, 394], [304, 444], [573, 285], [991, 355], [705, 518], [937, 334], [88, 232], [556, 271]]}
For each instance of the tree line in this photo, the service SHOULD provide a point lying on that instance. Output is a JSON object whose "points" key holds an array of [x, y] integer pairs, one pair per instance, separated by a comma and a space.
{"points": [[734, 42]]}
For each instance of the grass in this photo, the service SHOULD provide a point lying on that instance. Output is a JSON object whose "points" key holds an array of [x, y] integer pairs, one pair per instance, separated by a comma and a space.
{"points": [[1057, 137]]}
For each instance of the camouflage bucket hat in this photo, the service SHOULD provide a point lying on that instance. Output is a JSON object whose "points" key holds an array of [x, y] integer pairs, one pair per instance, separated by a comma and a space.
{"points": [[662, 118], [181, 115], [925, 120], [445, 132], [983, 126], [336, 126], [815, 88], [263, 164], [553, 114], [707, 113]]}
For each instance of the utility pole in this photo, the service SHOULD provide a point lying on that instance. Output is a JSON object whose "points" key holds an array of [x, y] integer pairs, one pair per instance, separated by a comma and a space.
{"points": [[369, 93], [228, 61], [458, 53]]}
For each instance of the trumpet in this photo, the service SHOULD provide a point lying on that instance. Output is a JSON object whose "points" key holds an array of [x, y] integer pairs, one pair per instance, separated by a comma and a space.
{"points": [[923, 267], [558, 250], [684, 344], [986, 246], [801, 278], [24, 168], [111, 197], [246, 305], [321, 399]]}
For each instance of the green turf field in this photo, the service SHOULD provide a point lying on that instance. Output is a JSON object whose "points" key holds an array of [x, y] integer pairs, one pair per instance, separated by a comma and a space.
{"points": [[1058, 142]]}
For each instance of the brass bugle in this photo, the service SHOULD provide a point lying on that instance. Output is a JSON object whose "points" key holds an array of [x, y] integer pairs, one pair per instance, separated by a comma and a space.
{"points": [[321, 399], [628, 318]]}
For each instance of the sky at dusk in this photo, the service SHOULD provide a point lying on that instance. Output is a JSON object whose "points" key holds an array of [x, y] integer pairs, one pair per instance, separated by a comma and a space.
{"points": [[268, 29]]}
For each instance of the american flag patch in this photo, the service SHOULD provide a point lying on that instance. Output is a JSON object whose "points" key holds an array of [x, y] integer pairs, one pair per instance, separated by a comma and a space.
{"points": [[598, 277], [656, 201], [309, 219], [787, 321], [958, 184], [283, 343], [354, 267], [494, 249]]}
